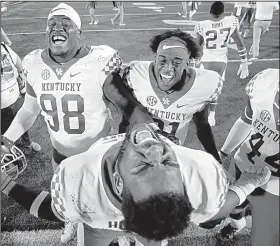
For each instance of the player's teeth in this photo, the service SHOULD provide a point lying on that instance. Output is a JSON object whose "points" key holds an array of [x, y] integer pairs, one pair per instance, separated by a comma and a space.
{"points": [[166, 76], [143, 135]]}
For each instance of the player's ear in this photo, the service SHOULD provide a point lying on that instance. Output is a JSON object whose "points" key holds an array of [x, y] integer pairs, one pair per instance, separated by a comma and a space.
{"points": [[118, 183]]}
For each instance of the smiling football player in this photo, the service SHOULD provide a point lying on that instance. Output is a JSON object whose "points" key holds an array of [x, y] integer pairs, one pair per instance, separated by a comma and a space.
{"points": [[174, 92]]}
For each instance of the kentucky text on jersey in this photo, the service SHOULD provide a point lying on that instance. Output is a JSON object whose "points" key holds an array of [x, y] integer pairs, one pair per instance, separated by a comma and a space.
{"points": [[266, 131], [168, 115], [58, 86]]}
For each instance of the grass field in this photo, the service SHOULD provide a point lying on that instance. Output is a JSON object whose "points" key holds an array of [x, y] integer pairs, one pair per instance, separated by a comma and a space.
{"points": [[25, 24]]}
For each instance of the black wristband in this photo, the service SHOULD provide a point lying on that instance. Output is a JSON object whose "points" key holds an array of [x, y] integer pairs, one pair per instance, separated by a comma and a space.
{"points": [[223, 153]]}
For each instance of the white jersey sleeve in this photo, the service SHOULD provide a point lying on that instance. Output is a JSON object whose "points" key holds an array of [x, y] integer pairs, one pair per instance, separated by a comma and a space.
{"points": [[78, 191], [205, 182], [9, 85]]}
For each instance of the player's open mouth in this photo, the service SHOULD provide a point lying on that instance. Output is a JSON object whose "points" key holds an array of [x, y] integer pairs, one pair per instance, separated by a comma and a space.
{"points": [[166, 79], [143, 135], [58, 39]]}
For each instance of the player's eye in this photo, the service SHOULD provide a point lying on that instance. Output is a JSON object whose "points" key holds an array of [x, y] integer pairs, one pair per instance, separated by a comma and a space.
{"points": [[141, 167], [51, 23], [177, 64]]}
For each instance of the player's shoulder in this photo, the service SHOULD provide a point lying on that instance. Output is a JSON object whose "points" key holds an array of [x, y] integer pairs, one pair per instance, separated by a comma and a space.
{"points": [[207, 76], [265, 79], [138, 64], [33, 56], [196, 159], [230, 21], [102, 49], [73, 168]]}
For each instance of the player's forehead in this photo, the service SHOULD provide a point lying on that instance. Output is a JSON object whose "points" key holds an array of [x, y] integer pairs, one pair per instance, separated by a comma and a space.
{"points": [[56, 18], [170, 56]]}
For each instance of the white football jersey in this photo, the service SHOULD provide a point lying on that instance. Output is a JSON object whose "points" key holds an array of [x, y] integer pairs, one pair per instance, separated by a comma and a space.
{"points": [[9, 85], [84, 192], [216, 35], [71, 97], [173, 111], [261, 147]]}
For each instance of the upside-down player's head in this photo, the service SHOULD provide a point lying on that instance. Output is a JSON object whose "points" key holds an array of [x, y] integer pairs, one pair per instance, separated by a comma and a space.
{"points": [[217, 8], [174, 50], [148, 178], [63, 31]]}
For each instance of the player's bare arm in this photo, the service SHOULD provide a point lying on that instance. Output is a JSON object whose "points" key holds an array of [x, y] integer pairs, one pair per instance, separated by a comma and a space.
{"points": [[36, 202], [25, 116], [204, 132], [243, 69], [121, 97]]}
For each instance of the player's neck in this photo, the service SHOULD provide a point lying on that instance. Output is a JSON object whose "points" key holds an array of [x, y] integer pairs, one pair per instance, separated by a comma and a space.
{"points": [[65, 58], [217, 17]]}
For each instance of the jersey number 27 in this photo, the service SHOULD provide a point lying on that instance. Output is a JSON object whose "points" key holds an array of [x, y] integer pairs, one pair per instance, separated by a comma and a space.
{"points": [[213, 35]]}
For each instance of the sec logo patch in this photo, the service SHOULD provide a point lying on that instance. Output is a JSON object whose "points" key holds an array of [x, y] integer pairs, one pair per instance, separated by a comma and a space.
{"points": [[45, 74], [265, 115], [151, 100]]}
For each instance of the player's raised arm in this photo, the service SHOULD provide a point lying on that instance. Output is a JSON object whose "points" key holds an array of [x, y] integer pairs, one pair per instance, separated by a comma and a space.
{"points": [[121, 96], [25, 116], [204, 132], [237, 193]]}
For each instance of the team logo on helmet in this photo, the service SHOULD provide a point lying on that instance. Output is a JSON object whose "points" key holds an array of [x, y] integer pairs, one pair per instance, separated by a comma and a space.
{"points": [[13, 161]]}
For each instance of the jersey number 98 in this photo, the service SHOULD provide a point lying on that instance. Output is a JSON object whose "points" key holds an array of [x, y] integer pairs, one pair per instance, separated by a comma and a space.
{"points": [[68, 115]]}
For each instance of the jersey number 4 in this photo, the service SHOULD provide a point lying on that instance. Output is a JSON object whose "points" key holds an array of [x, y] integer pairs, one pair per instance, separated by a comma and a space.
{"points": [[213, 35], [69, 115], [270, 160]]}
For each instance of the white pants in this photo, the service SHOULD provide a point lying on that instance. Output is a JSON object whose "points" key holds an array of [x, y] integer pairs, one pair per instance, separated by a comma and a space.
{"points": [[260, 27]]}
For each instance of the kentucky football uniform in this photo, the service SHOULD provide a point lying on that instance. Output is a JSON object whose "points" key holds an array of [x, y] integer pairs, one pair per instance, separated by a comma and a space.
{"points": [[261, 147], [216, 35], [9, 85], [70, 95], [172, 111], [84, 192]]}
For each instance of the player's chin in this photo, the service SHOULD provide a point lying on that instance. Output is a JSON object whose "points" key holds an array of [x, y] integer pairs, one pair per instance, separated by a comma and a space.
{"points": [[165, 84], [59, 49]]}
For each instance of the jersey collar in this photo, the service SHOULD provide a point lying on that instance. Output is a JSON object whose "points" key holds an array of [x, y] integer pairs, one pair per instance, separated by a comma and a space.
{"points": [[107, 171]]}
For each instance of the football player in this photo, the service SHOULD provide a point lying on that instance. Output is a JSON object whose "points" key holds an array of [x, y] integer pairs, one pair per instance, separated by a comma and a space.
{"points": [[65, 82], [250, 15], [213, 35], [240, 10], [174, 92], [257, 130], [139, 183], [12, 90]]}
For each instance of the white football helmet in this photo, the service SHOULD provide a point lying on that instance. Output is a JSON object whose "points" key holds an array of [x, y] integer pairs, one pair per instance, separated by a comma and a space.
{"points": [[13, 161]]}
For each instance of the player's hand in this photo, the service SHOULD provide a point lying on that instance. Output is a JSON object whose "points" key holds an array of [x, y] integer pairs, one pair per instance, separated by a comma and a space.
{"points": [[243, 70]]}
